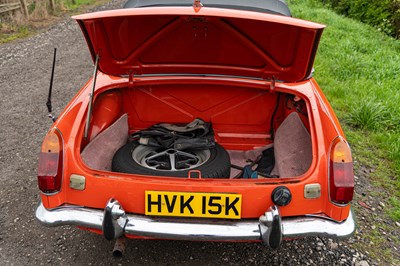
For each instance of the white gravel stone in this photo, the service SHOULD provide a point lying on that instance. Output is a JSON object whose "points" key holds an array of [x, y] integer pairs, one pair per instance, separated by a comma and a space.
{"points": [[333, 245], [362, 263]]}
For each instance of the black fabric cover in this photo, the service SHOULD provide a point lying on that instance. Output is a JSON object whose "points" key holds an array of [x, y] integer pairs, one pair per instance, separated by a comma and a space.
{"points": [[194, 135], [266, 6]]}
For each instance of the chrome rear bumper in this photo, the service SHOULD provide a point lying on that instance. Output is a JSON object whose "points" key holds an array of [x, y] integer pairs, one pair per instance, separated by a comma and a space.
{"points": [[270, 228]]}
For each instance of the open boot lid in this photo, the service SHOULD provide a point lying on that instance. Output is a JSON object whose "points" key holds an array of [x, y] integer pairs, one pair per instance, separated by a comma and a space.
{"points": [[201, 40]]}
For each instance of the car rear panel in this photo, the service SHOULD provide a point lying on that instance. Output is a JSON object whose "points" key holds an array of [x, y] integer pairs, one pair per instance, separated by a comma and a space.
{"points": [[130, 189]]}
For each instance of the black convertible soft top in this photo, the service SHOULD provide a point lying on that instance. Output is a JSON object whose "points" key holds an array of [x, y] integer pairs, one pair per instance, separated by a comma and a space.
{"points": [[265, 6]]}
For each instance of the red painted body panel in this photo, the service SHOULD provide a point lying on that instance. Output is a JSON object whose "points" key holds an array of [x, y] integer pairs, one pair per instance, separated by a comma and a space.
{"points": [[107, 109], [180, 40], [230, 109], [230, 124]]}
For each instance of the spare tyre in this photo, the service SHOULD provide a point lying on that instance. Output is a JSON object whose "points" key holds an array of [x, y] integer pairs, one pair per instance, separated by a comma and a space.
{"points": [[135, 158]]}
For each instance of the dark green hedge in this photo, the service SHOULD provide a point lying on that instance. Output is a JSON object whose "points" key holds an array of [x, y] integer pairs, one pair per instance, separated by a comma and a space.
{"points": [[382, 14]]}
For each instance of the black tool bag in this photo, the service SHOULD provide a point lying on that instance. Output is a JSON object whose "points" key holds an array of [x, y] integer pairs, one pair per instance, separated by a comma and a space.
{"points": [[266, 163], [195, 135]]}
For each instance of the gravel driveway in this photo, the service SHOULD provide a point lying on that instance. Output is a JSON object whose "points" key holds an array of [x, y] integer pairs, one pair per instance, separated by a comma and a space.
{"points": [[24, 77]]}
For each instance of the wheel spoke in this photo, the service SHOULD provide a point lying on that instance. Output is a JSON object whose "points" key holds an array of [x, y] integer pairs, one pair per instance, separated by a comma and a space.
{"points": [[185, 164], [171, 157], [156, 155], [186, 154]]}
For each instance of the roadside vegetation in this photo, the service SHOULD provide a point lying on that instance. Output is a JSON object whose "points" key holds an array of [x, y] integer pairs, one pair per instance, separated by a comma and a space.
{"points": [[384, 15], [358, 68], [41, 14]]}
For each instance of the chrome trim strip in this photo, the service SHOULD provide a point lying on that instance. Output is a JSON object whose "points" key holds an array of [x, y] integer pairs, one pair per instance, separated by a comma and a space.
{"points": [[314, 226], [191, 230], [70, 215]]}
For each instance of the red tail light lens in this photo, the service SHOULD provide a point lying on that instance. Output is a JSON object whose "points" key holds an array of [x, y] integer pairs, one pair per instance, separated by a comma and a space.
{"points": [[50, 163], [341, 172]]}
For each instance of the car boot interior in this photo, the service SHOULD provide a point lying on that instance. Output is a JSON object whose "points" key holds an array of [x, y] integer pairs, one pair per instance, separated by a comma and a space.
{"points": [[254, 129]]}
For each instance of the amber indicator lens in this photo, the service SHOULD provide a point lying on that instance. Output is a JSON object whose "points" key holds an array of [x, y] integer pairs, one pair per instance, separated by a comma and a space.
{"points": [[50, 163], [341, 173]]}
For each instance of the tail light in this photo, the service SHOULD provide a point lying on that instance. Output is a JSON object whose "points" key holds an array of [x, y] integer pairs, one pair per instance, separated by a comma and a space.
{"points": [[341, 172], [50, 163]]}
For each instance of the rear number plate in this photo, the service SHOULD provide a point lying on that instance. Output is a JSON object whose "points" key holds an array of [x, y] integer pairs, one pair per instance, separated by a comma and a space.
{"points": [[193, 204]]}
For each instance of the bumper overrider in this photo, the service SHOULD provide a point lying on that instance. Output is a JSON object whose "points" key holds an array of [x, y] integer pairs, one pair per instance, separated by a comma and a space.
{"points": [[271, 228]]}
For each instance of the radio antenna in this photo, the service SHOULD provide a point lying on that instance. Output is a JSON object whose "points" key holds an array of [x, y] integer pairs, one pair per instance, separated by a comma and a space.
{"points": [[49, 107]]}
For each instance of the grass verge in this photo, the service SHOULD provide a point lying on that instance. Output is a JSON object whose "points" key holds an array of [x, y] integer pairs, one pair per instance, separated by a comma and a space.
{"points": [[358, 68], [10, 35], [75, 4]]}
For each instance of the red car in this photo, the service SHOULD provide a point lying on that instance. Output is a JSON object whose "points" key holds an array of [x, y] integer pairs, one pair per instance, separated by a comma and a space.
{"points": [[202, 122]]}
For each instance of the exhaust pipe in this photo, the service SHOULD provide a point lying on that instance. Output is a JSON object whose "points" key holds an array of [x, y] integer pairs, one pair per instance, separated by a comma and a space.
{"points": [[119, 247]]}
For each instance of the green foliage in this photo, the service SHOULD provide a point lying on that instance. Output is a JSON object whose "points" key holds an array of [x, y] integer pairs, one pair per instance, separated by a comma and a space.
{"points": [[18, 32], [358, 68], [31, 7], [74, 4], [369, 114], [389, 141], [383, 14], [394, 150], [395, 203]]}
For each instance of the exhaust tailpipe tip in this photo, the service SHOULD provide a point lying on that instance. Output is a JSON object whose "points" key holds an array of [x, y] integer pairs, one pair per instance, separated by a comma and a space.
{"points": [[119, 247]]}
